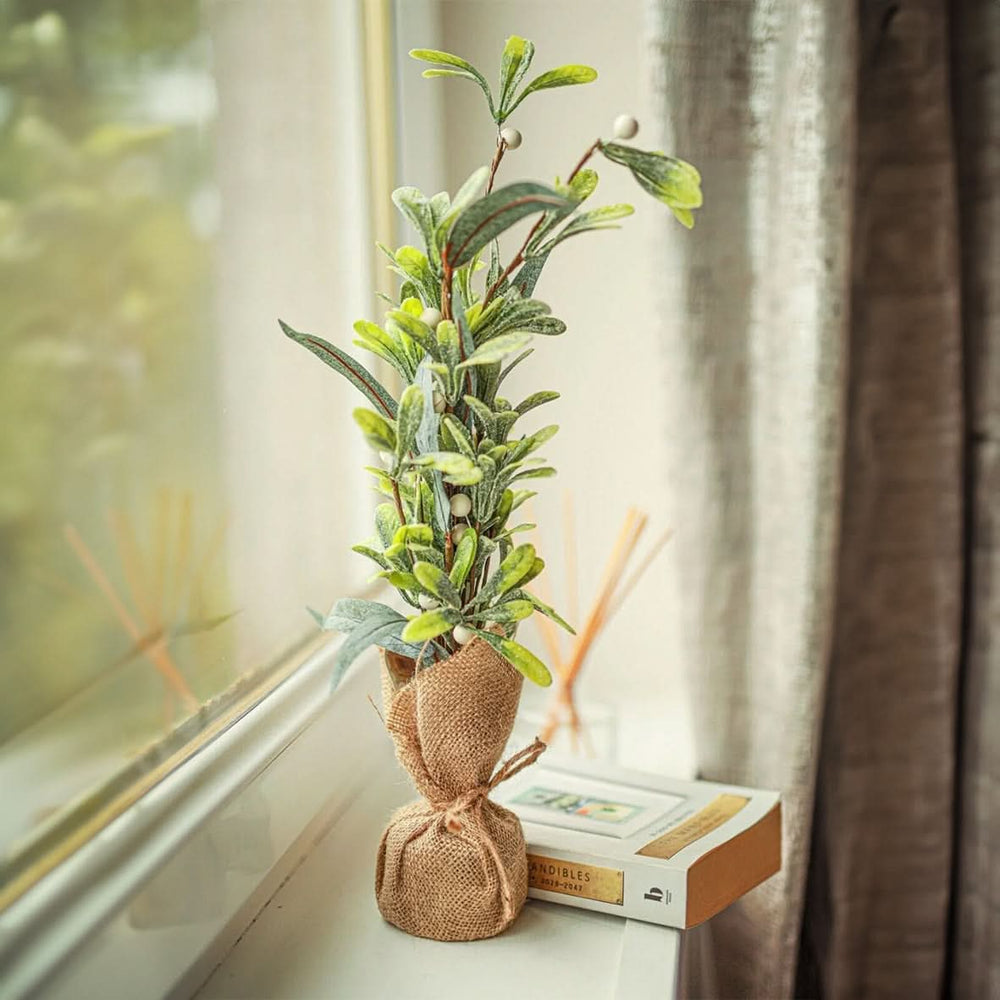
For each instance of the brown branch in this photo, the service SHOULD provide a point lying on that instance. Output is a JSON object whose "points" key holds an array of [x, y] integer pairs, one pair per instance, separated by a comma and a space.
{"points": [[583, 159], [497, 157], [519, 257], [399, 502], [516, 262]]}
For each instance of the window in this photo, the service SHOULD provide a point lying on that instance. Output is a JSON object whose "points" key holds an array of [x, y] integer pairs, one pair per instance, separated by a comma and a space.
{"points": [[173, 177]]}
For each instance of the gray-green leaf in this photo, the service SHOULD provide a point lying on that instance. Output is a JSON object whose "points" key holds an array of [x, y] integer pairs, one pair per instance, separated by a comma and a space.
{"points": [[486, 219], [353, 371], [430, 624], [411, 412]]}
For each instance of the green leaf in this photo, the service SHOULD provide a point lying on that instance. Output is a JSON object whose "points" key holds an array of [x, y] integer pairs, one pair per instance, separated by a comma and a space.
{"points": [[674, 182], [506, 371], [367, 623], [386, 523], [508, 574], [465, 555], [544, 609], [459, 434], [536, 568], [437, 582], [585, 222], [450, 463], [517, 55], [482, 413], [353, 371], [458, 67], [413, 204], [484, 220], [411, 412], [466, 195], [545, 472], [377, 557], [377, 431], [562, 76], [402, 580], [509, 611], [583, 185], [413, 534], [430, 625], [496, 349], [349, 612], [536, 399], [521, 659]]}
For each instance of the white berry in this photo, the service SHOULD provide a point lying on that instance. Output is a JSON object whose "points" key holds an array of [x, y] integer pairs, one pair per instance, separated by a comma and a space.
{"points": [[511, 137], [626, 127], [462, 635], [458, 531], [431, 317], [461, 504], [387, 457], [440, 403], [427, 602]]}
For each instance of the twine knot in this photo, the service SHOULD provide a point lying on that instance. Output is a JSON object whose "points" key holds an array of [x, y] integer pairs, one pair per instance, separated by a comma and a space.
{"points": [[472, 800]]}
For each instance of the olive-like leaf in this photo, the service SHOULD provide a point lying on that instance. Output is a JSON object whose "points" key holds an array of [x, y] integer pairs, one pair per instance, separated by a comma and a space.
{"points": [[430, 625], [413, 534], [377, 431], [457, 66], [465, 555], [536, 399], [562, 76], [352, 370], [408, 418], [521, 659], [517, 55], [508, 574], [674, 182], [543, 608], [484, 220], [509, 611], [437, 582], [496, 349]]}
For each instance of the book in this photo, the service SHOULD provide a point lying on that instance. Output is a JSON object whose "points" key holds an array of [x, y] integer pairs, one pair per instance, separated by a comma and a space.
{"points": [[637, 845]]}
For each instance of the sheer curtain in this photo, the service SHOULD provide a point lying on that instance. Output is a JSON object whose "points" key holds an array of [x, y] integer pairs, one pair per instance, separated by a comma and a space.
{"points": [[814, 360]]}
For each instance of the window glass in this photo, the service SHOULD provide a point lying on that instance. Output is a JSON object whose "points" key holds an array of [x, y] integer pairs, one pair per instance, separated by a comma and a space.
{"points": [[173, 178]]}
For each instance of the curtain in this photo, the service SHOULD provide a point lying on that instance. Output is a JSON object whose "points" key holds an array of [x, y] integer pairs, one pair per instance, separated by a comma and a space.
{"points": [[826, 351]]}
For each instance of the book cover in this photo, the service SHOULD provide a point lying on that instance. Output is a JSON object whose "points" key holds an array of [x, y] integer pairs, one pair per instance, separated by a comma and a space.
{"points": [[642, 846]]}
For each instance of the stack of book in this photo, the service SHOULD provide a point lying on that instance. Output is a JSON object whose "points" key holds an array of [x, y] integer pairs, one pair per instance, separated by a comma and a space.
{"points": [[650, 848]]}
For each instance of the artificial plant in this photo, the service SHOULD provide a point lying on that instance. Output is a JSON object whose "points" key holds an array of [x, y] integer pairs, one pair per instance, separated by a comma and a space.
{"points": [[454, 458]]}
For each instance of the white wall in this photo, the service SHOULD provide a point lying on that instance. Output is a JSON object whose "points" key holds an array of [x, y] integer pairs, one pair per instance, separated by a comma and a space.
{"points": [[610, 452]]}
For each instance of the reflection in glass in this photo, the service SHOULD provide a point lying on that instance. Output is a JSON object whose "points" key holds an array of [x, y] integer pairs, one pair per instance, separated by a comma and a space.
{"points": [[158, 482]]}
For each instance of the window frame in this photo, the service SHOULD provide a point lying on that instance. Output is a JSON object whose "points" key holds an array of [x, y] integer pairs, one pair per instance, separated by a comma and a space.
{"points": [[311, 747]]}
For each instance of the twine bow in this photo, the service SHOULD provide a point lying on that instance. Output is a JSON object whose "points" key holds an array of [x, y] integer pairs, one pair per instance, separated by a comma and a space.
{"points": [[467, 808]]}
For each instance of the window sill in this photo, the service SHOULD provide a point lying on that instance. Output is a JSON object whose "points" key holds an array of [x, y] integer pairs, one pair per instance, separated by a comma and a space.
{"points": [[321, 935]]}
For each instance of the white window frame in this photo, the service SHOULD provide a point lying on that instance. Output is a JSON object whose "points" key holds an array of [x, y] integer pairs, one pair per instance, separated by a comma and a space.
{"points": [[300, 754]]}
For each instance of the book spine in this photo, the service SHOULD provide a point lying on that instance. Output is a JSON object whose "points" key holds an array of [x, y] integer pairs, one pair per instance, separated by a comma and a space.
{"points": [[626, 889]]}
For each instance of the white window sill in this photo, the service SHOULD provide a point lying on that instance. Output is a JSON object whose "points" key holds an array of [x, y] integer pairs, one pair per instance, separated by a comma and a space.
{"points": [[321, 935]]}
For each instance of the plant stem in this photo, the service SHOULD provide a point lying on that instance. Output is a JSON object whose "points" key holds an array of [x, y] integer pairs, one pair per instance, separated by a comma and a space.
{"points": [[446, 279], [516, 262], [497, 157], [399, 502], [519, 256], [583, 159]]}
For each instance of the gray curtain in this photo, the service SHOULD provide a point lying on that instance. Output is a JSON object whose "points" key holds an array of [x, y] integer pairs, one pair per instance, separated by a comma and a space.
{"points": [[827, 357]]}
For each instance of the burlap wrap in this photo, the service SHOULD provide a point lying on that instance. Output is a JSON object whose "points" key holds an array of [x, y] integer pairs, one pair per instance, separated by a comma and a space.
{"points": [[453, 866]]}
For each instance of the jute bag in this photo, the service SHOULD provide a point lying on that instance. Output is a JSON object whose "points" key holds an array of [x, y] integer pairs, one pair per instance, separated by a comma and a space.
{"points": [[453, 865]]}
